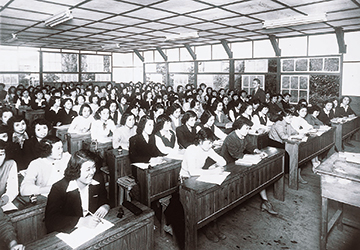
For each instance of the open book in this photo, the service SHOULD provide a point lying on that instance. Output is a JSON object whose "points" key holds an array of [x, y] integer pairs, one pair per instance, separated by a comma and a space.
{"points": [[249, 159]]}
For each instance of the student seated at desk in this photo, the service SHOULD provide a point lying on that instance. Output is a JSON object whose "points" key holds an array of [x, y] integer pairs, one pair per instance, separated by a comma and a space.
{"points": [[9, 186], [327, 113], [195, 163], [261, 120], [174, 111], [102, 128], [66, 115], [5, 115], [282, 131], [344, 109], [165, 138], [43, 172], [221, 119], [17, 136], [39, 129], [126, 130], [142, 147], [8, 234], [312, 117], [82, 123], [207, 120], [186, 132], [236, 145], [79, 199], [246, 111]]}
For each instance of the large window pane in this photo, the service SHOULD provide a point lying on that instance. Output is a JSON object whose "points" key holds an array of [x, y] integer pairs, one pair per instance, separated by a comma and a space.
{"points": [[173, 54], [215, 66], [323, 45], [219, 52], [26, 79], [123, 59], [263, 48], [293, 46], [95, 63], [181, 67], [214, 81], [59, 77], [19, 59], [203, 52], [256, 66], [242, 50]]}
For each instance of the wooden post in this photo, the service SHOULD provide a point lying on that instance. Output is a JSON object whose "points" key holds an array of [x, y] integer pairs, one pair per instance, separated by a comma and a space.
{"points": [[279, 187], [189, 203], [293, 151]]}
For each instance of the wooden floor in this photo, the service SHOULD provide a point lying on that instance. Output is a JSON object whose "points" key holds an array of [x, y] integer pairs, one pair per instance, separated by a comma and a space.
{"points": [[296, 227]]}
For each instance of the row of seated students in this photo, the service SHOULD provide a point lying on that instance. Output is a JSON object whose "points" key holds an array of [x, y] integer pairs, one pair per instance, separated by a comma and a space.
{"points": [[154, 127]]}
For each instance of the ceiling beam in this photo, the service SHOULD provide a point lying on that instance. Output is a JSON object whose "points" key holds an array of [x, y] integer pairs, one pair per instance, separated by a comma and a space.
{"points": [[227, 48], [191, 52], [139, 55], [340, 39], [162, 53], [275, 45]]}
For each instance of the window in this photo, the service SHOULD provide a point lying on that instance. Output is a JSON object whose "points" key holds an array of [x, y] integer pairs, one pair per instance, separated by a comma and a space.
{"points": [[246, 82], [297, 86], [317, 64]]}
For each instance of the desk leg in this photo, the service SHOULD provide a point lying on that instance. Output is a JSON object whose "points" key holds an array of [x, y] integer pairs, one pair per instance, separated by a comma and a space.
{"points": [[324, 223], [338, 137], [293, 151], [340, 219], [279, 189], [189, 203]]}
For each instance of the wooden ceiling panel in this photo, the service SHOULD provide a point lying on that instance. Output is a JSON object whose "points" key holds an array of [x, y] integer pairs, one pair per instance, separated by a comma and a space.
{"points": [[103, 5], [254, 6], [150, 14], [143, 24], [212, 14], [185, 6], [36, 6], [327, 6]]}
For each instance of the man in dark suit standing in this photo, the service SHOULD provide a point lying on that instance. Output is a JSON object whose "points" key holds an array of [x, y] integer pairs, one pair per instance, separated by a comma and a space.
{"points": [[258, 93]]}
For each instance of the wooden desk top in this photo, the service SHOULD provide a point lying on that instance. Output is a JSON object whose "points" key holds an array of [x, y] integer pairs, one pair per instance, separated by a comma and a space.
{"points": [[235, 169], [338, 167], [126, 224], [25, 210], [116, 154]]}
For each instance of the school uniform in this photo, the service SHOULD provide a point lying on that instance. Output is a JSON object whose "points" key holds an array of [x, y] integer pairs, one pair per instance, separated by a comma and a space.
{"points": [[184, 136], [142, 151], [326, 116], [64, 205], [66, 117]]}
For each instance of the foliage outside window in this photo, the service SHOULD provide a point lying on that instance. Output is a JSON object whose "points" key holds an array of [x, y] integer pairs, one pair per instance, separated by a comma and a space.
{"points": [[318, 64]]}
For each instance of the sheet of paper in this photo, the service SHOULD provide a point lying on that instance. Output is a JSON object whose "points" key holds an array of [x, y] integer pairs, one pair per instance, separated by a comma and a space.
{"points": [[141, 165], [249, 159], [174, 156], [81, 235], [214, 178], [9, 206]]}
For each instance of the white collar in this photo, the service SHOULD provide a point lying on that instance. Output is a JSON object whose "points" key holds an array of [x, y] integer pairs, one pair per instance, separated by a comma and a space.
{"points": [[73, 185], [343, 105]]}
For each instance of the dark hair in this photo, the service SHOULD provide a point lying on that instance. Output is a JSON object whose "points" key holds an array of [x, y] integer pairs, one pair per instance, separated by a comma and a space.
{"points": [[256, 80], [85, 105], [216, 103], [342, 98], [4, 128], [173, 108], [92, 97], [160, 121], [206, 116], [73, 169], [141, 125], [13, 119], [98, 111], [314, 108], [204, 134], [66, 100], [5, 109], [240, 122], [300, 106], [124, 117], [262, 105], [53, 99], [327, 101], [80, 95], [286, 94], [193, 103], [3, 145], [243, 107], [111, 102], [40, 121], [188, 114], [46, 145], [302, 101]]}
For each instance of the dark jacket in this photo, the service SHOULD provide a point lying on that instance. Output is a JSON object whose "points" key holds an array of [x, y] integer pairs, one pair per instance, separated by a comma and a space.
{"points": [[141, 151], [66, 118], [184, 136], [63, 209]]}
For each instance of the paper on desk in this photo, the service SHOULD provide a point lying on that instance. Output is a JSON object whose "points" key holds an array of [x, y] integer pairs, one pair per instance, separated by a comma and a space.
{"points": [[249, 159], [9, 206], [175, 156], [81, 235], [214, 178], [141, 165]]}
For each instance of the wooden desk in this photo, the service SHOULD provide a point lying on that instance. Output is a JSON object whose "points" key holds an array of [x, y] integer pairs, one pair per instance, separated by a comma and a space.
{"points": [[130, 232], [345, 131], [159, 181], [302, 152], [259, 140], [119, 166], [31, 115], [339, 185], [61, 132], [28, 221], [75, 141], [204, 202]]}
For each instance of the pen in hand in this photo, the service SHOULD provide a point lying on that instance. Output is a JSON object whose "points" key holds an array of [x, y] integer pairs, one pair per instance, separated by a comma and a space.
{"points": [[100, 220]]}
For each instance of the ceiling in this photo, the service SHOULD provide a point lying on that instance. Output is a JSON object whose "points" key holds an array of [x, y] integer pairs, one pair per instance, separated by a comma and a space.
{"points": [[143, 24]]}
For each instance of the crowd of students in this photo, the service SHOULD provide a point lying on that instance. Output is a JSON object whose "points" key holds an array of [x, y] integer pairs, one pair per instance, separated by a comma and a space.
{"points": [[151, 121]]}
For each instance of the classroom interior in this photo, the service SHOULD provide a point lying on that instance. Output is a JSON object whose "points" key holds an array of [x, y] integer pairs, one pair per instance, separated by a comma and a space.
{"points": [[309, 49]]}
